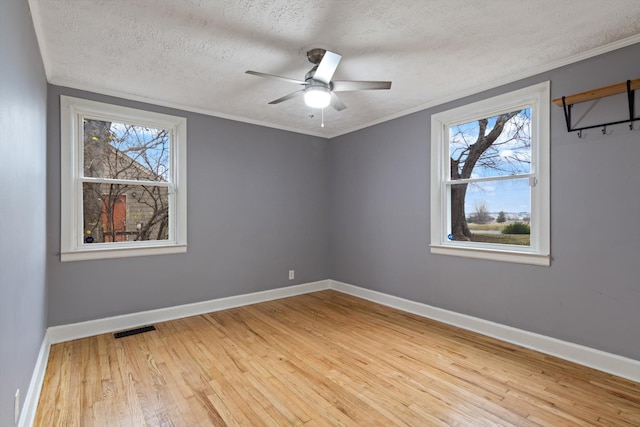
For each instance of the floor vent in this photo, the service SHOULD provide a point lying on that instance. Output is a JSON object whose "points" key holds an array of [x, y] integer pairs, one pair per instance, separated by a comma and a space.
{"points": [[134, 331]]}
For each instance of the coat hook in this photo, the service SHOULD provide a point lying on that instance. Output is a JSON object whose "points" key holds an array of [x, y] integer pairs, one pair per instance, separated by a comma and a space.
{"points": [[580, 134]]}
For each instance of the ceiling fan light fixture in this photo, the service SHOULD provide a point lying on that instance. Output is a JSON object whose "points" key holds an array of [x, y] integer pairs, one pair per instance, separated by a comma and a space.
{"points": [[319, 89], [317, 96]]}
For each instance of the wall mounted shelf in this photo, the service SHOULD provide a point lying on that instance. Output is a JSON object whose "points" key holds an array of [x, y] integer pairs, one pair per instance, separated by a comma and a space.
{"points": [[566, 102]]}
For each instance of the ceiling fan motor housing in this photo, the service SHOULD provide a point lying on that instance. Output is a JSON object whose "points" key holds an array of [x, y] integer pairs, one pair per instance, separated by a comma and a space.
{"points": [[315, 55]]}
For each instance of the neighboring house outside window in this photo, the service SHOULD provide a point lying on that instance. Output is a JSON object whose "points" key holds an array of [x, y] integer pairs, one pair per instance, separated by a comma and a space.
{"points": [[123, 181], [490, 178]]}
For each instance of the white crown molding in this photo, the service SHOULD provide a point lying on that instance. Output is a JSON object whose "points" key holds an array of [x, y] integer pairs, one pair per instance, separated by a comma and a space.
{"points": [[160, 103], [36, 16], [503, 81], [586, 356], [452, 97]]}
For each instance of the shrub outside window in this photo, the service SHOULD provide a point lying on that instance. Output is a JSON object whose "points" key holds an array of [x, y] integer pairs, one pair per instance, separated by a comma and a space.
{"points": [[490, 178], [123, 181]]}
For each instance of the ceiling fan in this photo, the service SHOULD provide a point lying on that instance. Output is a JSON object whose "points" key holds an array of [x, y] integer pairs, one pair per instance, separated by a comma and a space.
{"points": [[319, 90]]}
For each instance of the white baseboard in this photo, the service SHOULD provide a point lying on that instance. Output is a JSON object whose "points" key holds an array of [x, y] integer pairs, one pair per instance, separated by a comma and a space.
{"points": [[30, 405], [90, 328], [600, 360], [597, 359]]}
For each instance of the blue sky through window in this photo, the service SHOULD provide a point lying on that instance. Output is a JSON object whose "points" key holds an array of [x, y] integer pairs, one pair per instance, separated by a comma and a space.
{"points": [[509, 155], [148, 147]]}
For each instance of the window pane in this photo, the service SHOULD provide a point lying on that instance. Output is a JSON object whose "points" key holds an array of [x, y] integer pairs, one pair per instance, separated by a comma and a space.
{"points": [[122, 151], [124, 213], [494, 211], [495, 146]]}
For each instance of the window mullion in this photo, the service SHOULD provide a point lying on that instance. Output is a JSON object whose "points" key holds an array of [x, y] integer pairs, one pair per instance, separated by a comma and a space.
{"points": [[125, 182], [489, 178]]}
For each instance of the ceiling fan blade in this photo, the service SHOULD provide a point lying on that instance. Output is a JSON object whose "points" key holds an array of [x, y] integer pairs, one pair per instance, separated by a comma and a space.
{"points": [[273, 76], [337, 103], [347, 85], [287, 97], [327, 67]]}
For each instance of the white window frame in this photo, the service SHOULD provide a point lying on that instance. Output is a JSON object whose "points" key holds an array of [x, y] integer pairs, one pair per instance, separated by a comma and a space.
{"points": [[72, 246], [537, 98]]}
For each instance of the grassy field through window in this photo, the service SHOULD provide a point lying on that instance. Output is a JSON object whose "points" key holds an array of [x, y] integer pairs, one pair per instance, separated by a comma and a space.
{"points": [[492, 233]]}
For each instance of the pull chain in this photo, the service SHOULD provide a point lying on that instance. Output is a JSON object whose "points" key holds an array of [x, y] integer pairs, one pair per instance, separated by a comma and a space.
{"points": [[322, 124]]}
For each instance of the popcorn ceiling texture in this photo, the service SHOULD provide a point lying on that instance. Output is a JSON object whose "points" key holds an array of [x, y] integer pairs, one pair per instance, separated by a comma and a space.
{"points": [[192, 54]]}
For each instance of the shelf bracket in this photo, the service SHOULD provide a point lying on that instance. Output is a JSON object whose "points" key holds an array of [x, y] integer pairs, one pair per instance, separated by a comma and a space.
{"points": [[567, 104], [631, 98], [567, 112]]}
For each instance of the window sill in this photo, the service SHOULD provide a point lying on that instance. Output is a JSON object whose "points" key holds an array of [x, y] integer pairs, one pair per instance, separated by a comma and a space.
{"points": [[105, 253], [493, 255]]}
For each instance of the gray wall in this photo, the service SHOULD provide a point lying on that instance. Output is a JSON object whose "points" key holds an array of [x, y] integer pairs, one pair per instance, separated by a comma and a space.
{"points": [[590, 295], [258, 206], [355, 209], [23, 235]]}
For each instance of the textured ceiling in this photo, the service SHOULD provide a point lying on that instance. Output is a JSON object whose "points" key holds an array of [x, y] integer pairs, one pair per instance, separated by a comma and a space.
{"points": [[192, 54]]}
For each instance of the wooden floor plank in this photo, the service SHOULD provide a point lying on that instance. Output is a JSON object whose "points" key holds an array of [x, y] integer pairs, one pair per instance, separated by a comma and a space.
{"points": [[324, 358]]}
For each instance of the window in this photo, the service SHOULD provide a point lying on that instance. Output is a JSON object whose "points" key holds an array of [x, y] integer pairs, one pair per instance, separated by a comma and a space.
{"points": [[123, 181], [490, 178]]}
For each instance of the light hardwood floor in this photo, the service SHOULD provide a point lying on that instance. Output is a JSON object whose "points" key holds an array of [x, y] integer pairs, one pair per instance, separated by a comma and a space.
{"points": [[321, 359]]}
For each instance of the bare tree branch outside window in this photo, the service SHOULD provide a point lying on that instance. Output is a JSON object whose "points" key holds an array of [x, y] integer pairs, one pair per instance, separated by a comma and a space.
{"points": [[497, 146], [116, 211]]}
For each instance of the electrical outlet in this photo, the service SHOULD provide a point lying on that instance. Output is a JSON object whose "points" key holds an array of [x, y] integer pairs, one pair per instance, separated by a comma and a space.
{"points": [[292, 274], [16, 415]]}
